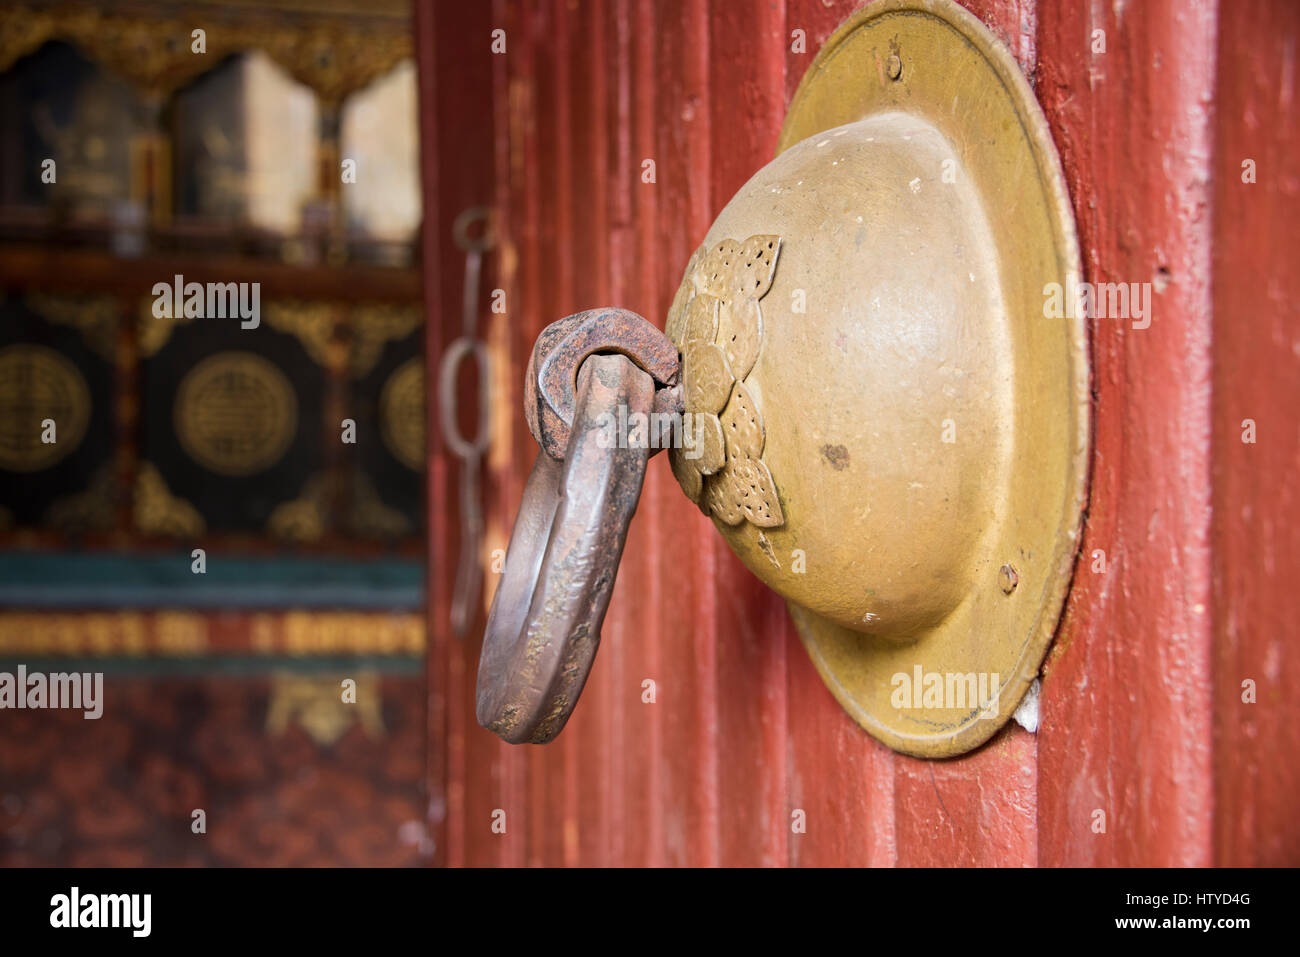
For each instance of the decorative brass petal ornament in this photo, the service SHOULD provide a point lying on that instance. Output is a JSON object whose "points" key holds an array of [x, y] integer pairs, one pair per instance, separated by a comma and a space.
{"points": [[717, 325]]}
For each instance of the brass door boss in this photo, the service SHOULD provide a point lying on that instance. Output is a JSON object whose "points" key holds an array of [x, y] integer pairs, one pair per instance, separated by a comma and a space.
{"points": [[859, 382]]}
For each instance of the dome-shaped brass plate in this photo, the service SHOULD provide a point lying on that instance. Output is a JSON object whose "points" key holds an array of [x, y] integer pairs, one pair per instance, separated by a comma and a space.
{"points": [[945, 688]]}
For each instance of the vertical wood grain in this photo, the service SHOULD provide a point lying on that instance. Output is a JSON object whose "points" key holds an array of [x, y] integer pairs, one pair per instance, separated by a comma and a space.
{"points": [[1255, 605], [647, 720], [454, 176], [979, 810], [840, 779], [688, 689], [1126, 720], [503, 478], [1141, 711], [438, 771]]}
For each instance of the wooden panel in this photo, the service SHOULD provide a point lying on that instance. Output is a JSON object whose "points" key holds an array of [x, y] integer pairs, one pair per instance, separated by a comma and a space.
{"points": [[742, 733], [455, 134], [688, 636], [977, 811], [1256, 507], [634, 254], [839, 777], [1126, 721]]}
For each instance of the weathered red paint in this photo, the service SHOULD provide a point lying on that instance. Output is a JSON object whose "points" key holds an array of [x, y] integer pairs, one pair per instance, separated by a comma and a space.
{"points": [[1141, 710], [1256, 499], [1126, 717]]}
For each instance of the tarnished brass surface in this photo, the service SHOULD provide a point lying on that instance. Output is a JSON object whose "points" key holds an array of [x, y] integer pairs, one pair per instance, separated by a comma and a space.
{"points": [[922, 426]]}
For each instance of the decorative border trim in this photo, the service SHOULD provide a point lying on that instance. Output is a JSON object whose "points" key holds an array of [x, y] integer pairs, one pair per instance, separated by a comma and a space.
{"points": [[35, 580]]}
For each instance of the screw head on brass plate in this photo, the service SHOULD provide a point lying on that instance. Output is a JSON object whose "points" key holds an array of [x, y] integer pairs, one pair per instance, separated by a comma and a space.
{"points": [[903, 433]]}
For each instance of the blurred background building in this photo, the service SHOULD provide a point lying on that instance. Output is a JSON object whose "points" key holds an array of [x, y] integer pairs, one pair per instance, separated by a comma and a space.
{"points": [[224, 142]]}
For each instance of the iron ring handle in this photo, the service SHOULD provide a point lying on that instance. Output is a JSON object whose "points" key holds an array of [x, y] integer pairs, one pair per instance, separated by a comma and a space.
{"points": [[544, 624]]}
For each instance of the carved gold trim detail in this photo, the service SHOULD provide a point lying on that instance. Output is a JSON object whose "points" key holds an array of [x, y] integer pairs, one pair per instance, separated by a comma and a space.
{"points": [[717, 325], [95, 317], [153, 331], [317, 704], [333, 55], [303, 519], [93, 509], [371, 518], [373, 327], [158, 512], [315, 325]]}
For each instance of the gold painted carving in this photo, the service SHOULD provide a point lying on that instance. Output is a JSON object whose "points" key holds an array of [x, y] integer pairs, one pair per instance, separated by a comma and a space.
{"points": [[315, 325], [370, 517], [153, 330], [717, 325], [332, 55], [95, 317], [375, 326], [93, 509], [304, 518], [317, 703], [401, 413], [36, 384], [236, 413], [158, 512]]}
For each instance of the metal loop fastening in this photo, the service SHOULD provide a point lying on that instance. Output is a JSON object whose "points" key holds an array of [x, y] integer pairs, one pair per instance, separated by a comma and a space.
{"points": [[460, 230], [552, 376], [544, 625], [469, 576], [451, 360]]}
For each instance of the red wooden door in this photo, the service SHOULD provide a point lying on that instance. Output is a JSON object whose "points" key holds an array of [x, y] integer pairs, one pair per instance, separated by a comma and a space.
{"points": [[1143, 724]]}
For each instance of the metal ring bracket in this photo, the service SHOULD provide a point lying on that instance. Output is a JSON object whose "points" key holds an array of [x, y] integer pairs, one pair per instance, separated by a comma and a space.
{"points": [[544, 626], [460, 230], [451, 360]]}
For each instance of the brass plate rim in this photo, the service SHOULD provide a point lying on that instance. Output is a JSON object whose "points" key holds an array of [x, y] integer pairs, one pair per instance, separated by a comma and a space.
{"points": [[814, 630]]}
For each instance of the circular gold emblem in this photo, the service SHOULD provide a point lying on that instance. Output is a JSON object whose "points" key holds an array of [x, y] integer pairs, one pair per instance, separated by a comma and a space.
{"points": [[401, 413], [37, 384], [235, 413]]}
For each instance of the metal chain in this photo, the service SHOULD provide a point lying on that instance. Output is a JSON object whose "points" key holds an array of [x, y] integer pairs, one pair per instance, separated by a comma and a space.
{"points": [[469, 575]]}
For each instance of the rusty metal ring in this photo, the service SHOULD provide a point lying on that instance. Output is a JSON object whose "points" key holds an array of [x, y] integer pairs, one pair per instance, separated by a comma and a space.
{"points": [[552, 375], [544, 626]]}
